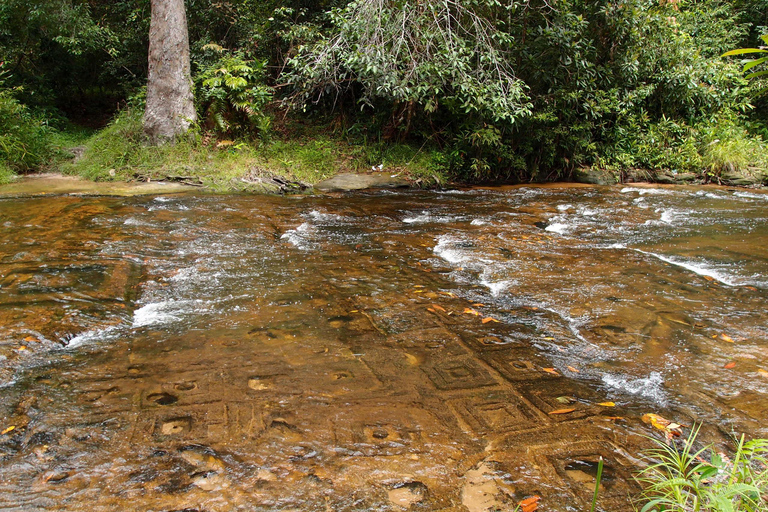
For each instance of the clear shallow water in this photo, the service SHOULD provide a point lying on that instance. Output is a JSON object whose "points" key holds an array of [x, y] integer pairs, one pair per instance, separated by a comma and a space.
{"points": [[371, 351]]}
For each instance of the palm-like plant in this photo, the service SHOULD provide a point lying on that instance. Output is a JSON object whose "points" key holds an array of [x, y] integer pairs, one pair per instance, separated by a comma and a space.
{"points": [[750, 64], [682, 480]]}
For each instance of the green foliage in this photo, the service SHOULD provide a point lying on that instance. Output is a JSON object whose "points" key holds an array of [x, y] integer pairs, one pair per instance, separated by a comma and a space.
{"points": [[24, 139], [426, 55], [684, 480], [757, 67], [232, 95]]}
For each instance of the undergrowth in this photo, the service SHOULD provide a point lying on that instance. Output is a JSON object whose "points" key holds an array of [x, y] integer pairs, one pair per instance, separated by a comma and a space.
{"points": [[684, 479], [118, 152]]}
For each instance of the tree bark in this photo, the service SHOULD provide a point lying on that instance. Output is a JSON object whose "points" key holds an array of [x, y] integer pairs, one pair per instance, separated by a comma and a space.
{"points": [[170, 103]]}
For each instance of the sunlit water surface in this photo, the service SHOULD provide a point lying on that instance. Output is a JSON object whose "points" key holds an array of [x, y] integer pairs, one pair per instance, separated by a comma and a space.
{"points": [[455, 350]]}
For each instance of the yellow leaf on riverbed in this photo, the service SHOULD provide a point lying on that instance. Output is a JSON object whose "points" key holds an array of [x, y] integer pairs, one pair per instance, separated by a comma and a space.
{"points": [[727, 338], [662, 423], [551, 371], [562, 411], [489, 319], [9, 429], [470, 311], [607, 404]]}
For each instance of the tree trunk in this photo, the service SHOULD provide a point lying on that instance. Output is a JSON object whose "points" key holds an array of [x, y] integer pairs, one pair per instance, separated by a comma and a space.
{"points": [[170, 104]]}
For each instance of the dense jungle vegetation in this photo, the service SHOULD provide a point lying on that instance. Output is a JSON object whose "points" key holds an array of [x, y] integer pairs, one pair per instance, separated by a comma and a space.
{"points": [[472, 90]]}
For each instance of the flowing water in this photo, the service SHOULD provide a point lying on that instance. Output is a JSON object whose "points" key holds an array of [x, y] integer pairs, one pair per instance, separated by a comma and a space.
{"points": [[456, 350]]}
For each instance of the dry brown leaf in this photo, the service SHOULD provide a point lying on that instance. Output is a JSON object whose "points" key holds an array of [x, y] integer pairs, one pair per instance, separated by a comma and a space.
{"points": [[438, 308], [449, 294], [574, 370], [30, 339], [478, 305], [489, 319], [762, 373], [730, 365], [727, 338], [551, 371], [431, 310], [562, 411], [470, 311]]}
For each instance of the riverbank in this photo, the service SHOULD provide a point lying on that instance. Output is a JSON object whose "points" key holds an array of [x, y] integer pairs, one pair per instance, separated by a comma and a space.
{"points": [[297, 155]]}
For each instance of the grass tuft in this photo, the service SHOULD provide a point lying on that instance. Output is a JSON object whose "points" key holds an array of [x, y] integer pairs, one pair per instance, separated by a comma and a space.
{"points": [[683, 479]]}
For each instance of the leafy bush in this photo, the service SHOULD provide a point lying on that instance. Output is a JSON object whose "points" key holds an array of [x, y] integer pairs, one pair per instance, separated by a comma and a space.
{"points": [[684, 480], [24, 139], [231, 93], [412, 59]]}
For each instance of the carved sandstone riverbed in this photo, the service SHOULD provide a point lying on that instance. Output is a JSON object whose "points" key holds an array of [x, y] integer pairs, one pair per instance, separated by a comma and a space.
{"points": [[375, 351]]}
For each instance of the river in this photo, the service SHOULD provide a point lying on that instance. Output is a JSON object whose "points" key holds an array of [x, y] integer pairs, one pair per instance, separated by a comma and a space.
{"points": [[433, 350]]}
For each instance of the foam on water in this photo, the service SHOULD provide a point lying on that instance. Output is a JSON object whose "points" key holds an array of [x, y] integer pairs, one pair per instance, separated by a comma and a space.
{"points": [[648, 191], [89, 337], [669, 216], [751, 195], [446, 250], [325, 217], [164, 312], [426, 217], [700, 269], [299, 237], [558, 227], [651, 387]]}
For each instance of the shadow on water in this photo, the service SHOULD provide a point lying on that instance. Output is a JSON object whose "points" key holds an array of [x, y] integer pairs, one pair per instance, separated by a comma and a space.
{"points": [[387, 351]]}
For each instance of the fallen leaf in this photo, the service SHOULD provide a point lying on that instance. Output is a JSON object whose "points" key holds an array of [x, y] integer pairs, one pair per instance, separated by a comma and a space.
{"points": [[418, 286], [489, 319], [730, 365], [607, 404], [551, 371], [751, 288], [662, 423], [709, 278], [478, 305], [29, 339], [438, 308], [574, 370], [449, 294], [530, 504], [565, 399], [762, 373], [431, 310], [562, 411], [727, 338], [9, 429], [224, 143], [470, 311], [418, 291], [548, 338], [22, 348]]}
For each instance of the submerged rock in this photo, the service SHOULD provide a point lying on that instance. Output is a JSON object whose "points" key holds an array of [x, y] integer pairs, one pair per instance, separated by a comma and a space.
{"points": [[347, 181]]}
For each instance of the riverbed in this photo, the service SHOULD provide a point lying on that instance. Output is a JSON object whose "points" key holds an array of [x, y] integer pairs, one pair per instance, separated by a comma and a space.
{"points": [[385, 350]]}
